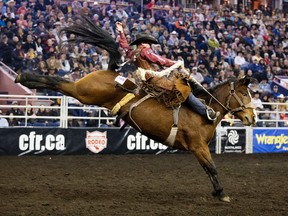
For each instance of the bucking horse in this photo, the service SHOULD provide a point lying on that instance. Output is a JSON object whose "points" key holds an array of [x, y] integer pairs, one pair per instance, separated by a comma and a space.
{"points": [[105, 88]]}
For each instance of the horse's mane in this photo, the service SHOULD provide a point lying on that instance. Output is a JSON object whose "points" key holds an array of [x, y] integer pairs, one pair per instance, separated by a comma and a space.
{"points": [[87, 31], [199, 91]]}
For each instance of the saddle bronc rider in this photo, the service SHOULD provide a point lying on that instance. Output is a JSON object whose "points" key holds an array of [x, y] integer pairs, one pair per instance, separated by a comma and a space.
{"points": [[145, 57]]}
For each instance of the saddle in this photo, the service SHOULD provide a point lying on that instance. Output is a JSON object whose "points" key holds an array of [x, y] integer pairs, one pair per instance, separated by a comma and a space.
{"points": [[171, 91]]}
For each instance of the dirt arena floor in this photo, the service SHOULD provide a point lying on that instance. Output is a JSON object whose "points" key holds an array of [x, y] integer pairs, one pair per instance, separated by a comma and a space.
{"points": [[142, 185]]}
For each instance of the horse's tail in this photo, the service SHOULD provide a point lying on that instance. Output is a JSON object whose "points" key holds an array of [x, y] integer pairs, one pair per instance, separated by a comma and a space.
{"points": [[87, 31]]}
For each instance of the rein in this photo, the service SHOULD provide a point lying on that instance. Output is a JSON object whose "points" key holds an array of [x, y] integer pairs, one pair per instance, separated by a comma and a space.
{"points": [[232, 93]]}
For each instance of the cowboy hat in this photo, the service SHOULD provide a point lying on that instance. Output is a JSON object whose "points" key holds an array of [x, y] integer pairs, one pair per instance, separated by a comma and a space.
{"points": [[281, 96], [194, 68], [257, 91], [11, 1], [57, 24], [73, 55], [144, 38], [83, 54]]}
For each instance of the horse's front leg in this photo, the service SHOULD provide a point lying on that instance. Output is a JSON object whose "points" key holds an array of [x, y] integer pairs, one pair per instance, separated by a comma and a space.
{"points": [[204, 157]]}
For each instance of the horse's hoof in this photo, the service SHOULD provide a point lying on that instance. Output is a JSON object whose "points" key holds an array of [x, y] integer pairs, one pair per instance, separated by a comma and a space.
{"points": [[18, 78], [224, 198], [221, 196]]}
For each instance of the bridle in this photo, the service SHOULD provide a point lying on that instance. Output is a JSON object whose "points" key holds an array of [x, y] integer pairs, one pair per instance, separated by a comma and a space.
{"points": [[232, 93], [243, 106]]}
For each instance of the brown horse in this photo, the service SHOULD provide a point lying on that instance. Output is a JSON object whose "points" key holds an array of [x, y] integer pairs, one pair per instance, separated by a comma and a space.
{"points": [[152, 117]]}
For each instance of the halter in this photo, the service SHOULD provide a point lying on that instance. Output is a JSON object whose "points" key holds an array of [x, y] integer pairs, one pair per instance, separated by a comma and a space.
{"points": [[242, 105], [232, 93]]}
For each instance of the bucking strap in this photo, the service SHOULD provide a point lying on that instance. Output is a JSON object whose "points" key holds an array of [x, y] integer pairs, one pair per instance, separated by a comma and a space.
{"points": [[134, 106], [121, 103]]}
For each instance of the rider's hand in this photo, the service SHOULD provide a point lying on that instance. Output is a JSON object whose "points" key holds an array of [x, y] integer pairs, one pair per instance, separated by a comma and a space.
{"points": [[119, 27]]}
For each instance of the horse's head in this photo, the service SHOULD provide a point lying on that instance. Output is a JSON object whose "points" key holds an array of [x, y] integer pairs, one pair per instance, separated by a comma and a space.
{"points": [[239, 101]]}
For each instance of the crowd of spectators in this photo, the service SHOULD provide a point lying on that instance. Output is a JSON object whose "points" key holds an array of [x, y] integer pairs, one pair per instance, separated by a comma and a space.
{"points": [[215, 43]]}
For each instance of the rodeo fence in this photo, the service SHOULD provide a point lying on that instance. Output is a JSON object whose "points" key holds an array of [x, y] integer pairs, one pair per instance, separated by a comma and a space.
{"points": [[81, 129]]}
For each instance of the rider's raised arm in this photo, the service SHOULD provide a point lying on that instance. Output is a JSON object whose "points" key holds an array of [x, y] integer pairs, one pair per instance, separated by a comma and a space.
{"points": [[149, 54], [125, 46], [123, 43]]}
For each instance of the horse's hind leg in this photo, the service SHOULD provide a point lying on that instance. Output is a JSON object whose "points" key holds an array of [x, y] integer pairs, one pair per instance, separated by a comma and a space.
{"points": [[204, 157], [35, 81]]}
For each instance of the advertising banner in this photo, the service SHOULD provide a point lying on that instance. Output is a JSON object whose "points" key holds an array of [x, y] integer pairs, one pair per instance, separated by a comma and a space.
{"points": [[233, 141], [270, 140], [50, 141]]}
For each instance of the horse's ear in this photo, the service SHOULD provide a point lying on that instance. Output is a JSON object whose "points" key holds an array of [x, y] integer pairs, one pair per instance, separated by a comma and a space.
{"points": [[246, 80]]}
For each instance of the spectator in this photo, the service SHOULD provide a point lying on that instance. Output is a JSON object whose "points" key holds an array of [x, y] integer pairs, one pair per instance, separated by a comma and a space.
{"points": [[40, 30], [282, 109], [84, 63], [73, 61], [11, 5], [256, 68], [132, 10], [15, 111], [196, 75], [6, 50], [21, 22], [42, 112], [275, 92], [76, 74], [64, 65], [121, 13], [38, 45], [40, 66], [204, 71], [30, 112], [3, 121], [264, 85], [201, 42], [256, 100], [216, 81], [50, 46], [170, 21], [104, 62], [105, 122], [213, 45], [94, 61], [55, 111], [107, 27], [173, 39], [29, 44], [18, 57], [53, 62], [22, 10], [240, 60], [180, 25]]}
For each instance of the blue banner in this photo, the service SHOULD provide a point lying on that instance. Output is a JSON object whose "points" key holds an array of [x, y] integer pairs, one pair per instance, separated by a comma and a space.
{"points": [[270, 140]]}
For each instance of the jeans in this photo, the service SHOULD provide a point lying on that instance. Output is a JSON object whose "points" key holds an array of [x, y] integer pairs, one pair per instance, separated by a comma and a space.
{"points": [[196, 104]]}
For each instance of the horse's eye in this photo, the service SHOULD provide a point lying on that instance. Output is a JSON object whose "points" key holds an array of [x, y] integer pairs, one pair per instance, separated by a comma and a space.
{"points": [[244, 94]]}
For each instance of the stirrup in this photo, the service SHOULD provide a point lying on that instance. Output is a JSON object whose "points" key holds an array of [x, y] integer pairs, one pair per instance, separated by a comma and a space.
{"points": [[211, 114]]}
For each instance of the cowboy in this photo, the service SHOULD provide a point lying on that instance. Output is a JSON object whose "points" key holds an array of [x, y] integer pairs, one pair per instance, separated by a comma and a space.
{"points": [[144, 57]]}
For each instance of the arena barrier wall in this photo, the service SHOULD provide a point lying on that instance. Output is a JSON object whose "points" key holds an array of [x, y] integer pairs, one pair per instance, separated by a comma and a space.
{"points": [[251, 140], [77, 141], [51, 141]]}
